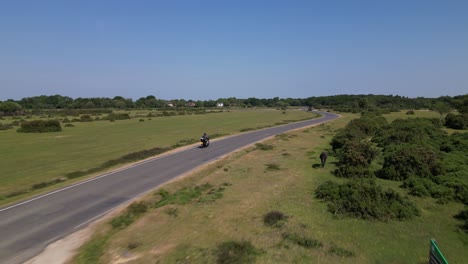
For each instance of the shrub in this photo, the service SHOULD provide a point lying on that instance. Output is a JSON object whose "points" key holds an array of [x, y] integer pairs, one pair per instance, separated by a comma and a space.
{"points": [[405, 160], [302, 240], [345, 171], [233, 252], [456, 121], [356, 153], [341, 252], [66, 120], [364, 199], [5, 127], [410, 112], [118, 116], [274, 218], [412, 131], [86, 118], [40, 126], [261, 146], [463, 216]]}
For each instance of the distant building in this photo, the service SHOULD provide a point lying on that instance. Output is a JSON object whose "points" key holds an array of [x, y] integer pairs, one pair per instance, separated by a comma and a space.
{"points": [[220, 104], [170, 104], [191, 104]]}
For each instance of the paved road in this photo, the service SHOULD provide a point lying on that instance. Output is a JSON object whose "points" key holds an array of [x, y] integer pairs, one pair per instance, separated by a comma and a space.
{"points": [[28, 227]]}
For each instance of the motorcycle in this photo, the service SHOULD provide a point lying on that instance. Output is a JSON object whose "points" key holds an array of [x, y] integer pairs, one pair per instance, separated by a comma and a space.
{"points": [[205, 141]]}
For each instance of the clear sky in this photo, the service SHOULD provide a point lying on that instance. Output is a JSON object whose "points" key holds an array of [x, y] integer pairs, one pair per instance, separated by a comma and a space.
{"points": [[197, 49]]}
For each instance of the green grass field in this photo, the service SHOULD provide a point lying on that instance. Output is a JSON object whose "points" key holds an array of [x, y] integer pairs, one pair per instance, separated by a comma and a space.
{"points": [[27, 159], [255, 182]]}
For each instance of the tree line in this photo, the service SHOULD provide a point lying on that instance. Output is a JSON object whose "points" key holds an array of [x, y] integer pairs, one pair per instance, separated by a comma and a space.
{"points": [[344, 103]]}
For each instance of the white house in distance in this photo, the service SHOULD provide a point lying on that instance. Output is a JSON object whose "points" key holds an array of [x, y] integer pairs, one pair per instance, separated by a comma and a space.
{"points": [[220, 104]]}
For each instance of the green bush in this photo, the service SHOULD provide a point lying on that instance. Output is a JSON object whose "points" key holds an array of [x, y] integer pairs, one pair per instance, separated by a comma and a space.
{"points": [[86, 118], [341, 252], [274, 218], [233, 252], [456, 121], [261, 146], [356, 153], [345, 171], [411, 131], [40, 126], [358, 129], [463, 216], [118, 116], [302, 240], [364, 199], [410, 112], [405, 160]]}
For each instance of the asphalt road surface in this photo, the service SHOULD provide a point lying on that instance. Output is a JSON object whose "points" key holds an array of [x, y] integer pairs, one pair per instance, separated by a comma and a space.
{"points": [[28, 227]]}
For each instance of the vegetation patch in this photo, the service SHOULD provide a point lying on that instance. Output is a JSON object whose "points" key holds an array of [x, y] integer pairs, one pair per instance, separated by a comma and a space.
{"points": [[92, 250], [463, 216], [274, 219], [201, 193], [5, 126], [261, 146], [118, 116], [134, 211], [47, 183], [234, 252], [213, 195], [302, 241], [457, 121], [272, 166], [340, 252], [363, 198], [40, 126], [86, 118], [172, 211]]}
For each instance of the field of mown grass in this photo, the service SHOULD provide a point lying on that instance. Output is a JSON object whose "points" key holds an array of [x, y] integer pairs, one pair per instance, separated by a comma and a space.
{"points": [[30, 158], [255, 181]]}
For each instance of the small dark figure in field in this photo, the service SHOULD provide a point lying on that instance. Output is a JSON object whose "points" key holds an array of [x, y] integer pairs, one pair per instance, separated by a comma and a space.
{"points": [[323, 158]]}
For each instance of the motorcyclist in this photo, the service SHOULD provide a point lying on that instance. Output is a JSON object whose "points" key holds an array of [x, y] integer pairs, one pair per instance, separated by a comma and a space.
{"points": [[205, 139]]}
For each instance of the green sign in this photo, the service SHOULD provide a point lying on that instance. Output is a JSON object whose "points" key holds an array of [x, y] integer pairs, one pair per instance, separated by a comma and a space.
{"points": [[435, 256]]}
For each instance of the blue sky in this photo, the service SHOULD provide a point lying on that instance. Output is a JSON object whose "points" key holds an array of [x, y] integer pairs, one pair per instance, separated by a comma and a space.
{"points": [[212, 49]]}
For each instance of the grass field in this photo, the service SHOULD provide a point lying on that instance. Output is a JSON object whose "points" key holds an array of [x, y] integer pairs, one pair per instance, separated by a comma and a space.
{"points": [[28, 159], [254, 182]]}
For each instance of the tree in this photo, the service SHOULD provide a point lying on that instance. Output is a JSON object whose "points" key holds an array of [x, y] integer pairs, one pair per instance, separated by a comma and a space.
{"points": [[456, 121], [442, 108], [10, 108]]}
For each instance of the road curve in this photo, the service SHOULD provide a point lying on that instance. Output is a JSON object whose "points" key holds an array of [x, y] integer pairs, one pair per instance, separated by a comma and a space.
{"points": [[28, 227]]}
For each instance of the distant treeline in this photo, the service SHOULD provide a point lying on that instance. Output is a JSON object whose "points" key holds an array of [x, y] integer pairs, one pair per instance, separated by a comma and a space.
{"points": [[344, 103]]}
